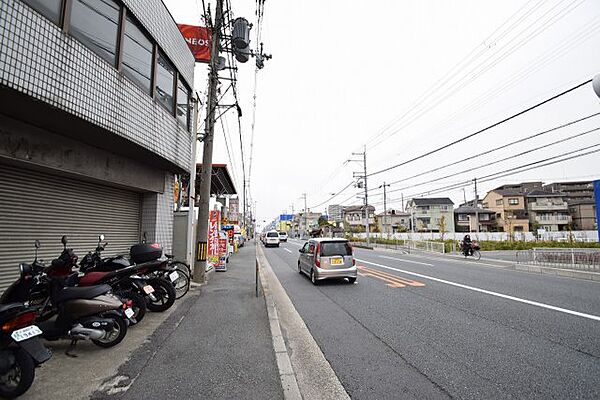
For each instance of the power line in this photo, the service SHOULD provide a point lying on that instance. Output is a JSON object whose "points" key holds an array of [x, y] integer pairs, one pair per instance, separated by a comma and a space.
{"points": [[482, 130]]}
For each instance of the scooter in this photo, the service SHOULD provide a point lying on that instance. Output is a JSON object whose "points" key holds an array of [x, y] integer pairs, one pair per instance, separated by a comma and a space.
{"points": [[21, 349]]}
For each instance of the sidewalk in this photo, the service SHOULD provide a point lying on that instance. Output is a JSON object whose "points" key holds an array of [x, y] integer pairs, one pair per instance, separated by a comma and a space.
{"points": [[217, 345]]}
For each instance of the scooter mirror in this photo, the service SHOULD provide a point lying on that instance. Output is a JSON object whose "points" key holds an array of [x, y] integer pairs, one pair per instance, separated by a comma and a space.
{"points": [[100, 238], [64, 240], [36, 244]]}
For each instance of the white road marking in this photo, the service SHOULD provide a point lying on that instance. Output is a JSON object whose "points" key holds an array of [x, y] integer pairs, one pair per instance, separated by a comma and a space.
{"points": [[504, 296], [288, 250], [408, 261]]}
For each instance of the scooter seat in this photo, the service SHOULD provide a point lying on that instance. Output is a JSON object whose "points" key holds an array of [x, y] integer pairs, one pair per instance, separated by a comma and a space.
{"points": [[10, 307], [86, 293]]}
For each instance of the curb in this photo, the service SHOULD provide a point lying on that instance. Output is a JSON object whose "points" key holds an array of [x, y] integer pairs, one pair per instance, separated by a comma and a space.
{"points": [[568, 273], [303, 369]]}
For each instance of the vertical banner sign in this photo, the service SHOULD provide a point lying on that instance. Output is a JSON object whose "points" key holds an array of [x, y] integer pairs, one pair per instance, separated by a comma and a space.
{"points": [[597, 198], [234, 209], [198, 39], [222, 265], [213, 239]]}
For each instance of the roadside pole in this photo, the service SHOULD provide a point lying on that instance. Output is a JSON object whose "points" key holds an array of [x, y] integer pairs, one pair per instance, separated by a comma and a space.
{"points": [[205, 180], [192, 187], [476, 207], [366, 194]]}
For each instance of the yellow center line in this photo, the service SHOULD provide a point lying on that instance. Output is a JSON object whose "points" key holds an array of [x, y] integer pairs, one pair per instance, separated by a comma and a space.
{"points": [[393, 280]]}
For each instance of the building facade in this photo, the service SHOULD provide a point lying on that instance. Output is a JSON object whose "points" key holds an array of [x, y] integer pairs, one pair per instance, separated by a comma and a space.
{"points": [[547, 210], [471, 219], [95, 122], [393, 221], [427, 213], [580, 199], [583, 215], [335, 212], [354, 218]]}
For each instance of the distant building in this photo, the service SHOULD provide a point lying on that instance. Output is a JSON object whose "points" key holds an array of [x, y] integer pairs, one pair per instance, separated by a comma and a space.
{"points": [[583, 215], [336, 212], [580, 200], [466, 217], [354, 218], [428, 212], [393, 221], [510, 208], [548, 210]]}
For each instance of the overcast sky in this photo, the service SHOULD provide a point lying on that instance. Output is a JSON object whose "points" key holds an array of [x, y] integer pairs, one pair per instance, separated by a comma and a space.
{"points": [[402, 78]]}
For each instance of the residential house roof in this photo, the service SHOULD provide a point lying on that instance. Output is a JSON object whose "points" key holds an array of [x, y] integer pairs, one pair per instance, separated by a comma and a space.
{"points": [[544, 193], [472, 210], [421, 201], [509, 192], [358, 208]]}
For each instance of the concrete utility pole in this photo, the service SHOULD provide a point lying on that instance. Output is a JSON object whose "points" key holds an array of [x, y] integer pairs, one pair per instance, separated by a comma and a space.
{"points": [[476, 207], [305, 216], [205, 179], [364, 177], [385, 216]]}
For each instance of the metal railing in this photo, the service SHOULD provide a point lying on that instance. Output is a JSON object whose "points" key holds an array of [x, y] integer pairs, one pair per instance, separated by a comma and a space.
{"points": [[571, 258], [424, 245]]}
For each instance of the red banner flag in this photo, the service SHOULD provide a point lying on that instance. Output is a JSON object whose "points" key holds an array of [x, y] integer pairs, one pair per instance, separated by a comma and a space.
{"points": [[199, 40]]}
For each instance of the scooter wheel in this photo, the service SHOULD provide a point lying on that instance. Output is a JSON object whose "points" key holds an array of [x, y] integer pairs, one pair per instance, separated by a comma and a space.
{"points": [[164, 294], [139, 305], [115, 336], [18, 379]]}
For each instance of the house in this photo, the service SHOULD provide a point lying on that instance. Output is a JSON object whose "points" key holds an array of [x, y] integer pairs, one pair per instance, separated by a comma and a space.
{"points": [[393, 221], [510, 208], [466, 217], [580, 199], [427, 213], [336, 212], [354, 218], [304, 222], [548, 210]]}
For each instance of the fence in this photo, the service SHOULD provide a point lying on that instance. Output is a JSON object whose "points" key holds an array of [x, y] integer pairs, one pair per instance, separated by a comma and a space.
{"points": [[577, 259], [577, 236]]}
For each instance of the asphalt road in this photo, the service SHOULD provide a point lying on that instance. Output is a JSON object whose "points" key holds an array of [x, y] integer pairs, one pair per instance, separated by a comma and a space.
{"points": [[441, 327]]}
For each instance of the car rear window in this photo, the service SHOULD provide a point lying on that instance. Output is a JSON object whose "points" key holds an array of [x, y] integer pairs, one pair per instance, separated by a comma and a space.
{"points": [[272, 234], [282, 234], [336, 249]]}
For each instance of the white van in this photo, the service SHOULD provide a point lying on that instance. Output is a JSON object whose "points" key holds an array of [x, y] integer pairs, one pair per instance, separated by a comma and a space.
{"points": [[272, 239]]}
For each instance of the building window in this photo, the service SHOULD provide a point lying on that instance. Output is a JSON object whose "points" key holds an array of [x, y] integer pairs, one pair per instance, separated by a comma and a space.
{"points": [[499, 202], [165, 77], [484, 217], [137, 55], [463, 217], [96, 24], [50, 9], [513, 202], [183, 104]]}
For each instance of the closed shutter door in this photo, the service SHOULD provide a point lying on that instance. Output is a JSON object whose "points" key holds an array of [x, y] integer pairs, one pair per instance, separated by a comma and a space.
{"points": [[35, 205]]}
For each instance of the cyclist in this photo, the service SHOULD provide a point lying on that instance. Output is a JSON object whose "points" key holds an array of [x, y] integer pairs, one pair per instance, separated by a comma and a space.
{"points": [[467, 246]]}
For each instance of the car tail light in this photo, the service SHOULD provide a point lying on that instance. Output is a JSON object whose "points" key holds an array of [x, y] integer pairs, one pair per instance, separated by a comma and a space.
{"points": [[127, 304], [20, 321], [353, 261], [318, 255]]}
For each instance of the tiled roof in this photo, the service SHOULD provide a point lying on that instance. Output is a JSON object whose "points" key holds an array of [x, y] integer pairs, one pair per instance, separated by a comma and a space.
{"points": [[433, 201]]}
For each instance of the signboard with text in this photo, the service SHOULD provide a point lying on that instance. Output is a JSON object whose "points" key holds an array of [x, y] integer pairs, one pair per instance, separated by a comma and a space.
{"points": [[222, 264], [198, 39], [213, 238], [597, 199]]}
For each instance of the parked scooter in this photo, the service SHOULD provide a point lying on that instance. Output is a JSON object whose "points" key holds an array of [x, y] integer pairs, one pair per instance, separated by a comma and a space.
{"points": [[21, 349], [144, 262], [92, 313]]}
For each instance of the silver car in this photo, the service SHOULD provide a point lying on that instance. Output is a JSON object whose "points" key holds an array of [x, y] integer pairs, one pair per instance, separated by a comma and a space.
{"points": [[324, 258]]}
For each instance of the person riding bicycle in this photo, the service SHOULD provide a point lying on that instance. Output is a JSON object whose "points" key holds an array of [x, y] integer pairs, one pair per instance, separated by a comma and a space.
{"points": [[467, 245]]}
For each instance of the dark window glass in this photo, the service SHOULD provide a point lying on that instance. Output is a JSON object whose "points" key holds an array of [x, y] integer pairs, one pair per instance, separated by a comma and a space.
{"points": [[48, 8], [272, 234], [335, 249], [183, 104], [96, 23], [165, 76], [137, 55]]}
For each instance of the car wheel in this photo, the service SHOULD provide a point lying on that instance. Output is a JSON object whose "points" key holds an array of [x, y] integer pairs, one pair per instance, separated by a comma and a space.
{"points": [[313, 277], [352, 280]]}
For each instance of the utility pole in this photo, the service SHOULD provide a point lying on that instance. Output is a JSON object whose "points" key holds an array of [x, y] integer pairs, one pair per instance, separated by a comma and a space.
{"points": [[476, 206], [385, 216], [364, 178], [402, 196], [205, 179], [305, 212]]}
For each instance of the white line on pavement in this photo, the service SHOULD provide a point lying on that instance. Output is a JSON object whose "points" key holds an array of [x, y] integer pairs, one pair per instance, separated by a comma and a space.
{"points": [[288, 250], [408, 261], [504, 296]]}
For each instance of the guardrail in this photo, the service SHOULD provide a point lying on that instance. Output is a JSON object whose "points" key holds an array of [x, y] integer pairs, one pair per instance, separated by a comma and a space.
{"points": [[424, 245], [577, 259]]}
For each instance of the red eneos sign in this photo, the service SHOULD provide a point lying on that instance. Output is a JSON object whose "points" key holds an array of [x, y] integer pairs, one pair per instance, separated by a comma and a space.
{"points": [[199, 40]]}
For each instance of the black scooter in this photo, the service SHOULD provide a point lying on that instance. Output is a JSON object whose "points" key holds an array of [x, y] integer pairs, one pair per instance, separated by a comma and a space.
{"points": [[21, 349]]}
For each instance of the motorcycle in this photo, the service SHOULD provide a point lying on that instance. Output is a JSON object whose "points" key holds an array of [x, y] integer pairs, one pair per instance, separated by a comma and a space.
{"points": [[21, 349], [144, 275], [82, 313], [471, 250]]}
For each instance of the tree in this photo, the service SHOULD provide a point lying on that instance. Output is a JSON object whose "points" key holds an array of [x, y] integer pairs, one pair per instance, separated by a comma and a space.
{"points": [[442, 226], [323, 221]]}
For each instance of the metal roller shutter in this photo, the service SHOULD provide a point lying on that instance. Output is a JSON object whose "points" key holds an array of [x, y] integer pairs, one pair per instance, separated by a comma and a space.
{"points": [[35, 205]]}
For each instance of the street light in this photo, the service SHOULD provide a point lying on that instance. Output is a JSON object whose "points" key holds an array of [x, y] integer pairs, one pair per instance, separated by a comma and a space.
{"points": [[596, 84]]}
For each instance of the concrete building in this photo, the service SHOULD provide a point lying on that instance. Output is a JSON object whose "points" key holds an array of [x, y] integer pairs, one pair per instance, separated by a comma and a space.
{"points": [[466, 217], [393, 221], [510, 208], [95, 121], [354, 218], [580, 199], [335, 212], [426, 214], [547, 210], [305, 222]]}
